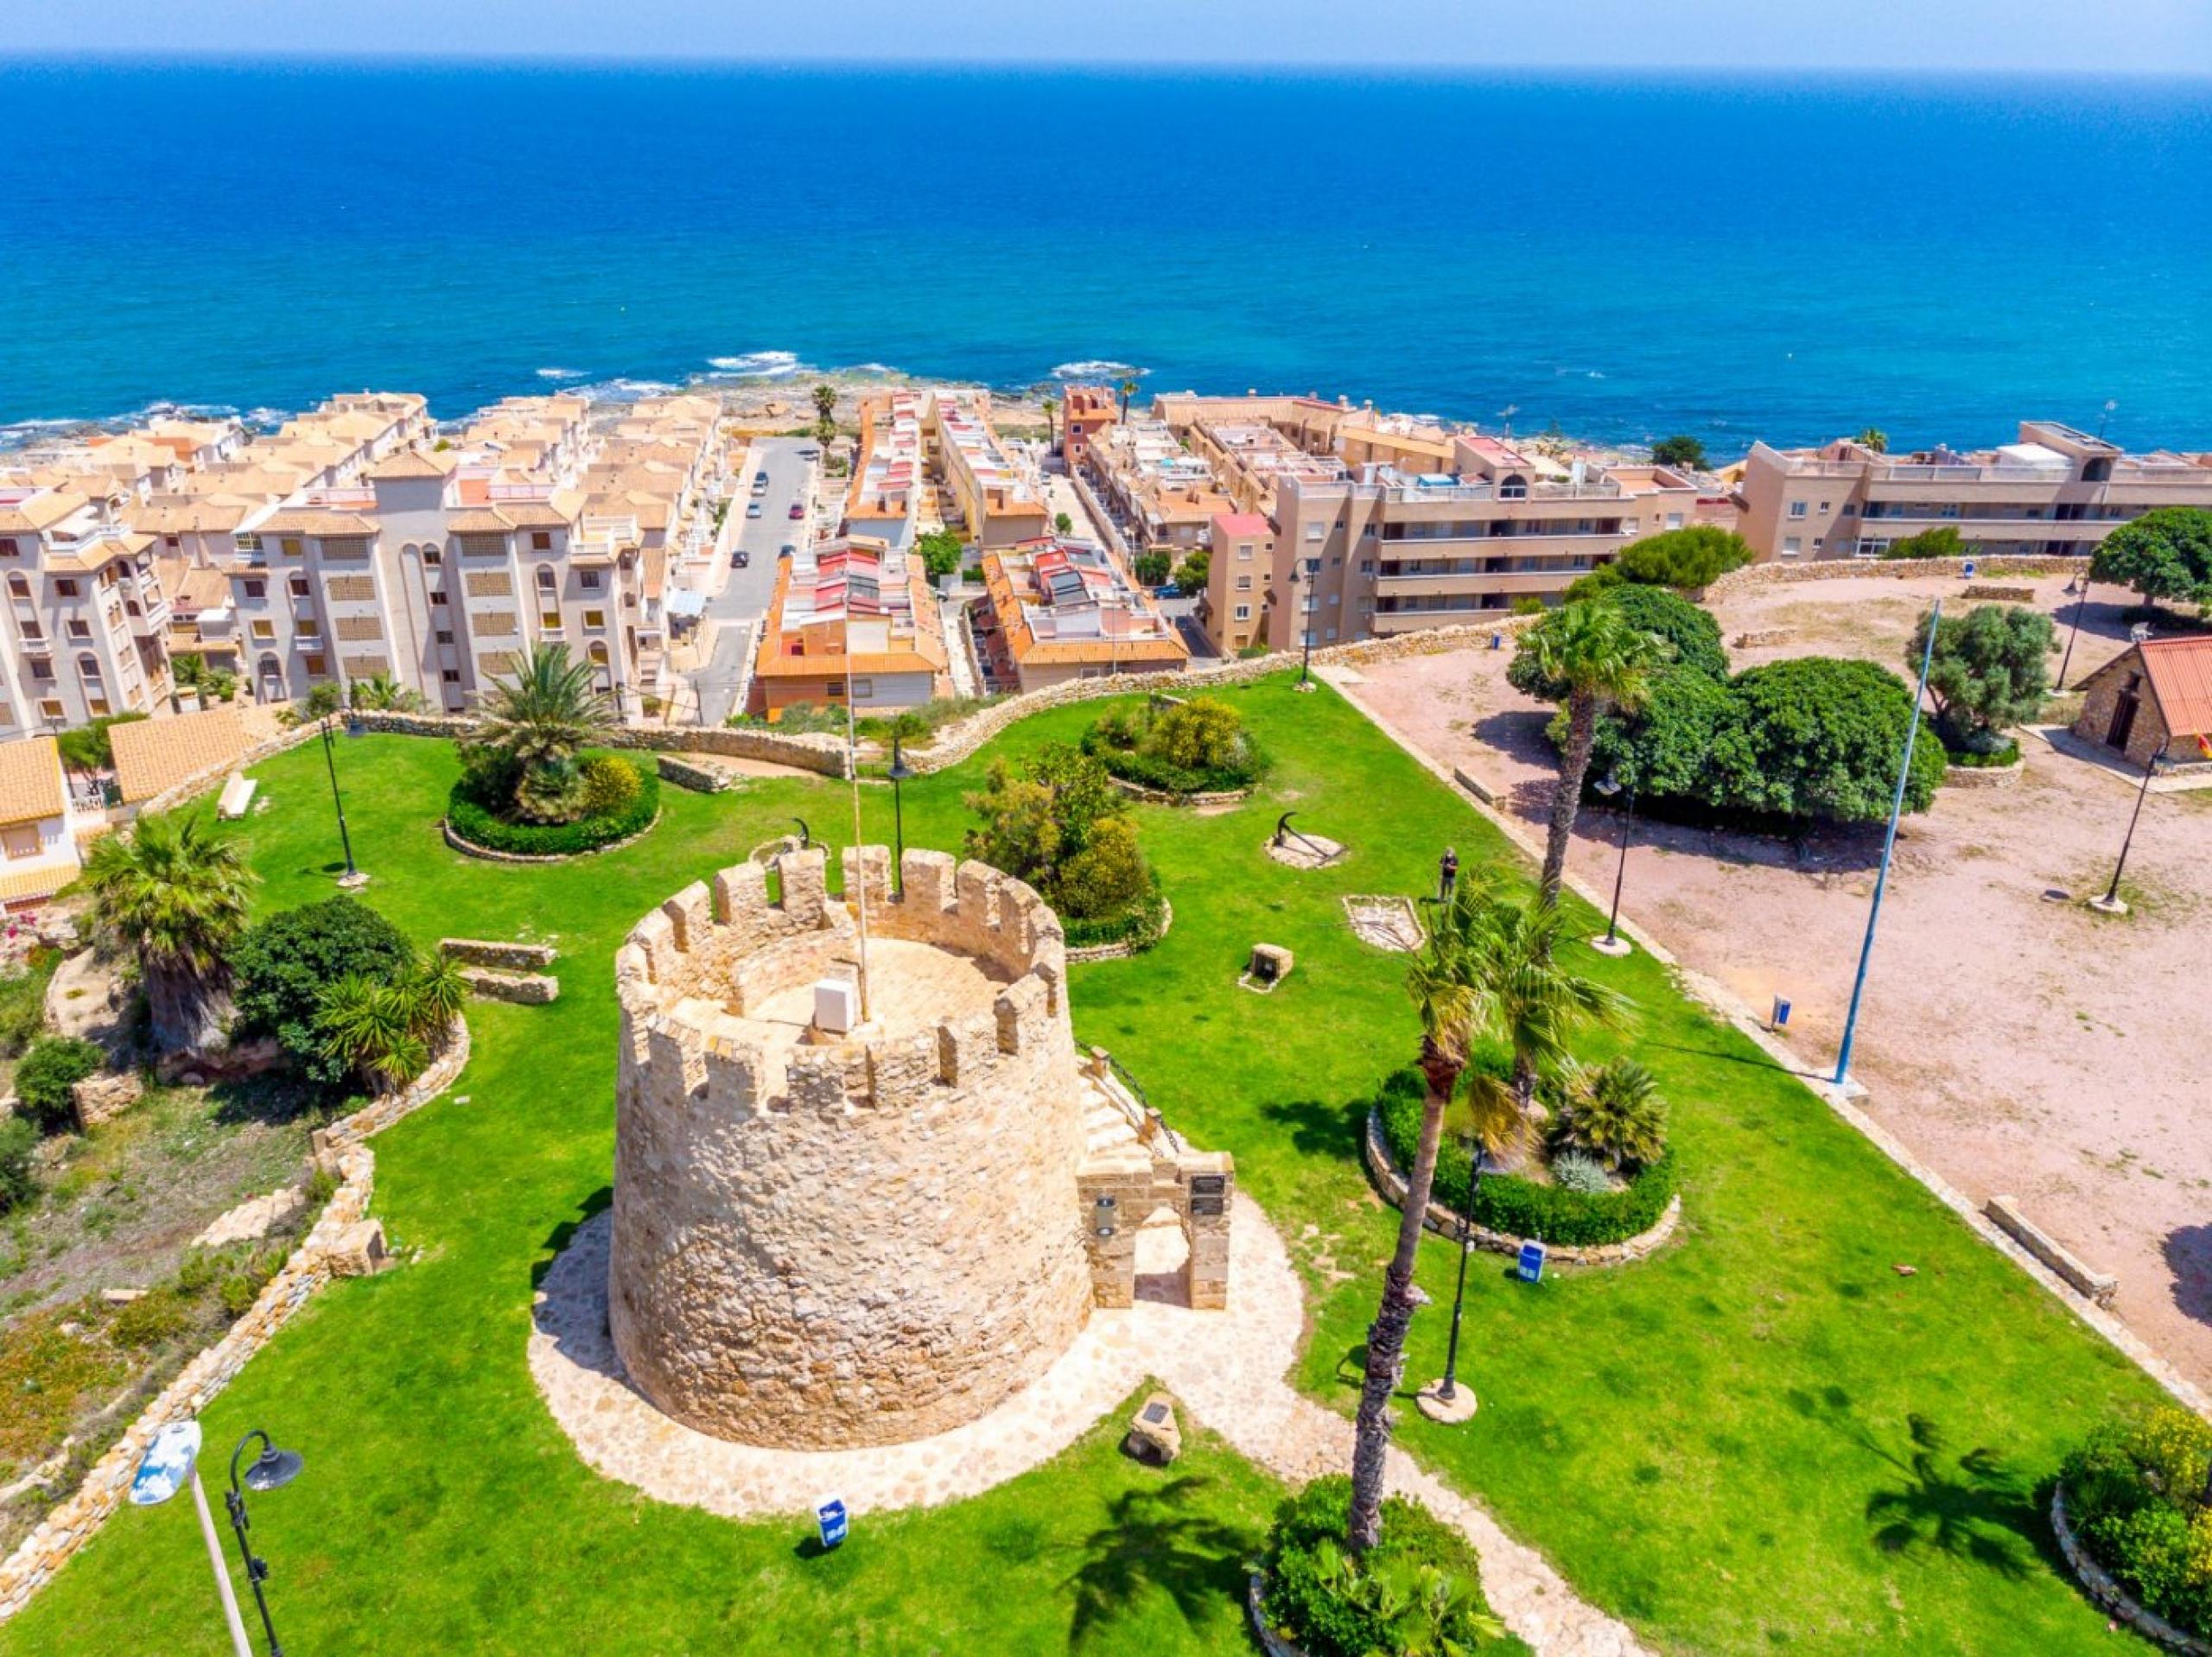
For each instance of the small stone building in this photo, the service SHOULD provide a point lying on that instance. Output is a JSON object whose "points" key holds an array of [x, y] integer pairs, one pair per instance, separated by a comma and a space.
{"points": [[2154, 696], [827, 1236]]}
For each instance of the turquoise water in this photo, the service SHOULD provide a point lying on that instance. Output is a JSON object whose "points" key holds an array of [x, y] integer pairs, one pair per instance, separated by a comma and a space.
{"points": [[1625, 257]]}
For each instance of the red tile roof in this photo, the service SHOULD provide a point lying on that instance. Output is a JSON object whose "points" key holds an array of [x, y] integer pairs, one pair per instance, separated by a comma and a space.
{"points": [[2180, 671]]}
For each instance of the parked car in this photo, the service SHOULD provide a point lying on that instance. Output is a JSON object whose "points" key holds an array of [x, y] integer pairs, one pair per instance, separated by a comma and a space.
{"points": [[810, 452], [739, 559], [797, 511], [760, 480], [753, 509]]}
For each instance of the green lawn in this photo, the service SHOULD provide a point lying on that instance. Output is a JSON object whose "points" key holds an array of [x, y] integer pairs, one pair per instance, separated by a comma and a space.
{"points": [[1764, 1438]]}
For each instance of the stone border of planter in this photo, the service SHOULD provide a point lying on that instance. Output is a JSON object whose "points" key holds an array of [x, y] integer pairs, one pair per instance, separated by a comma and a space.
{"points": [[1139, 792], [1127, 946], [488, 952], [1446, 1223], [468, 847], [330, 1249], [2099, 1585], [1274, 1644], [1985, 775]]}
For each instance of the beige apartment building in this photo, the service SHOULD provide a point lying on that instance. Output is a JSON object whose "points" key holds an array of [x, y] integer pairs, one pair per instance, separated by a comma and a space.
{"points": [[86, 619], [1383, 551], [2056, 492], [1156, 491], [1000, 501]]}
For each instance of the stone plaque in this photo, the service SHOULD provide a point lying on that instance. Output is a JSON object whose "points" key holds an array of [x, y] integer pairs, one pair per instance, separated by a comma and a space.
{"points": [[1208, 1184], [1205, 1205]]}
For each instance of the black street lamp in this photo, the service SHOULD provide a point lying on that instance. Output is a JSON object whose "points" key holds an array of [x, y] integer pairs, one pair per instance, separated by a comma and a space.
{"points": [[2074, 632], [899, 772], [2111, 903], [353, 876], [272, 1469], [1612, 944]]}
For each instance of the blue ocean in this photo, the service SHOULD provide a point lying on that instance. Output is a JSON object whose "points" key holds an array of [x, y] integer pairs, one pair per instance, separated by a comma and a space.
{"points": [[1736, 257]]}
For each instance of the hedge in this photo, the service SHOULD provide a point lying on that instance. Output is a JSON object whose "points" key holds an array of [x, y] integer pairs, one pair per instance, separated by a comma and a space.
{"points": [[475, 820], [2135, 1494], [1140, 925], [1149, 770], [2006, 753], [1521, 1208]]}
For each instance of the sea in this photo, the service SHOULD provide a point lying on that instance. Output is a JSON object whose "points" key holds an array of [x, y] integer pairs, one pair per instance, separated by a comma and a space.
{"points": [[1620, 257]]}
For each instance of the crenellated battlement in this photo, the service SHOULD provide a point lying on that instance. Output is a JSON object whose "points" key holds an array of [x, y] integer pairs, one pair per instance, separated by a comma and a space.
{"points": [[707, 983]]}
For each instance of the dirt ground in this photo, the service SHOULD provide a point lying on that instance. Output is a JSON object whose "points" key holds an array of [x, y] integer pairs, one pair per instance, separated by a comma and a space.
{"points": [[2016, 1041]]}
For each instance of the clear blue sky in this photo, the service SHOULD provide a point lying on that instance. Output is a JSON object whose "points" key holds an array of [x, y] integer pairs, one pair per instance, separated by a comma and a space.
{"points": [[2159, 36]]}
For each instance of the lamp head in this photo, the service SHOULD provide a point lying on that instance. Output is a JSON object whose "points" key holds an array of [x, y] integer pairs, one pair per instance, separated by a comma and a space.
{"points": [[273, 1468]]}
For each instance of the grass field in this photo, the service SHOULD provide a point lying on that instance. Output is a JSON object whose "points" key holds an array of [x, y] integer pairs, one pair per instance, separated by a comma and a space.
{"points": [[1766, 1439]]}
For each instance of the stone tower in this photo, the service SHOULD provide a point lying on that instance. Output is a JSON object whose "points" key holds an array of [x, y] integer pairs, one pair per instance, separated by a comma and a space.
{"points": [[825, 1239]]}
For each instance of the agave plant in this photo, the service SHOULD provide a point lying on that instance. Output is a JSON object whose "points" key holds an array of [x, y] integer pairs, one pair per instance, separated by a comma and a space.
{"points": [[1613, 1111]]}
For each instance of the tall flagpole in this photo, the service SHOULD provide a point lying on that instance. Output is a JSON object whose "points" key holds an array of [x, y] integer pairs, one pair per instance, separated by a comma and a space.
{"points": [[856, 877], [1889, 845]]}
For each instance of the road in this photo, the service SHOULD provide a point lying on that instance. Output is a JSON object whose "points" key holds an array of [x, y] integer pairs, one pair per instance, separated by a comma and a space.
{"points": [[737, 609]]}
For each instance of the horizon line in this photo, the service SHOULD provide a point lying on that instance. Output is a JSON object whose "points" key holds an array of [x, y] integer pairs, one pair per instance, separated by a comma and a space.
{"points": [[1236, 68]]}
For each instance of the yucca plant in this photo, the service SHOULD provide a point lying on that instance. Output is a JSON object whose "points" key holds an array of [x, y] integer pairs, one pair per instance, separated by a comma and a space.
{"points": [[439, 987], [1613, 1111], [373, 1028], [172, 892]]}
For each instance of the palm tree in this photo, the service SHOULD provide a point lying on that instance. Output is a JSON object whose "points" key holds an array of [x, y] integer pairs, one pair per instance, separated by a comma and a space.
{"points": [[371, 1026], [1052, 408], [825, 412], [1127, 389], [1518, 991], [1593, 657], [381, 693], [175, 892], [1438, 984], [1874, 438], [537, 720], [1613, 1110]]}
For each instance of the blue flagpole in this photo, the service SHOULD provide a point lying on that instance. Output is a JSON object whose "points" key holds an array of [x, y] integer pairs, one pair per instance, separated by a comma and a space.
{"points": [[1889, 846]]}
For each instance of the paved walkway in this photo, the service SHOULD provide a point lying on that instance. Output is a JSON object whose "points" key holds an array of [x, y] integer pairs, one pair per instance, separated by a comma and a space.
{"points": [[1226, 1368]]}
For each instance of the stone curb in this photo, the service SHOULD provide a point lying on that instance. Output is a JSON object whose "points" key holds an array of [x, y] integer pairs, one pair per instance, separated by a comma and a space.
{"points": [[2100, 1585], [1139, 792], [468, 847], [1438, 1217], [78, 1517]]}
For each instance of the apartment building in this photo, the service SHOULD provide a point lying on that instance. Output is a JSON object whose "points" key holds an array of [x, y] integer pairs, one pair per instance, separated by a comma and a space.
{"points": [[1386, 551], [43, 827], [1060, 609], [1253, 460], [1157, 493], [884, 499], [852, 619], [1239, 579], [1000, 501], [2056, 492], [86, 616], [1086, 413]]}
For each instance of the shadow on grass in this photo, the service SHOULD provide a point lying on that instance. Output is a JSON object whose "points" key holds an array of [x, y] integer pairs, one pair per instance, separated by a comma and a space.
{"points": [[1760, 1061], [1151, 1544], [1967, 1505], [1319, 1130], [558, 1239], [273, 1099]]}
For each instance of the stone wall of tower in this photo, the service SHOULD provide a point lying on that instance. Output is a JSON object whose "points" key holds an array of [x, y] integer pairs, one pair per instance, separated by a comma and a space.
{"points": [[849, 1244]]}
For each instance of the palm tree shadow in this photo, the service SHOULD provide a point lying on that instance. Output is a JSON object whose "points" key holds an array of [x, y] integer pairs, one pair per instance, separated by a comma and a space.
{"points": [[558, 1239], [1151, 1543], [1966, 1507], [1321, 1130]]}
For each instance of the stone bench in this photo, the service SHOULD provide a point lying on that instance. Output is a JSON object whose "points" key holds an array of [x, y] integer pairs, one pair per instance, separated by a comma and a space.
{"points": [[2098, 1286]]}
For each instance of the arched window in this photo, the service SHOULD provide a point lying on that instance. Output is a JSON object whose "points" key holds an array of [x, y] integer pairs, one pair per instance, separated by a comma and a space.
{"points": [[18, 588], [89, 665], [598, 653], [2096, 471], [547, 580]]}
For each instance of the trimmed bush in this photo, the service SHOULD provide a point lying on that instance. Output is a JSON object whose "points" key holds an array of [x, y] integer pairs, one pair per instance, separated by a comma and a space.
{"points": [[2137, 1496], [53, 1064], [473, 809], [2006, 754], [1140, 925], [1521, 1208], [1335, 1607], [285, 962], [1195, 747]]}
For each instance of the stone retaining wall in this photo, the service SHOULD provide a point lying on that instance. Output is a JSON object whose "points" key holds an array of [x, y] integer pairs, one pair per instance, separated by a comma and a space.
{"points": [[1126, 947], [1446, 1223], [699, 778], [1899, 569], [326, 1251], [2098, 1584], [525, 988], [1169, 797], [515, 957], [1985, 776]]}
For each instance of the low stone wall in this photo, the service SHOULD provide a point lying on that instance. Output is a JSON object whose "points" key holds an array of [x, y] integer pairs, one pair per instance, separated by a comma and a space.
{"points": [[468, 847], [2098, 1584], [1446, 1223], [515, 957], [525, 988], [1127, 946], [333, 1247], [1255, 1599], [1751, 576], [701, 779], [824, 755], [2084, 1279], [1169, 797], [1997, 594], [1985, 775]]}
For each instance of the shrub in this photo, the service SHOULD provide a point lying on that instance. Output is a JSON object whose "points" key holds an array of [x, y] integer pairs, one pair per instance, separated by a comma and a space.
{"points": [[44, 1078], [1696, 555], [1519, 1206], [2137, 1497], [1152, 567], [1195, 747], [1613, 1111], [1191, 574], [1941, 542], [1139, 926], [1578, 1171], [22, 1002], [1106, 878], [473, 812], [1682, 450], [18, 1178], [2165, 554], [1336, 1606], [941, 551], [1990, 668], [284, 964], [1692, 632], [154, 1317], [239, 1289], [610, 785], [87, 747], [2005, 754], [1664, 750], [1816, 737]]}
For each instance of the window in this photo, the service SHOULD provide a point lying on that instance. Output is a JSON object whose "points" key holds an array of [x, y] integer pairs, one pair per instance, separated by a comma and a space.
{"points": [[9, 548], [65, 588], [1673, 520], [438, 598], [32, 631], [50, 710], [299, 585], [289, 545], [1796, 508], [548, 620], [541, 540], [264, 630], [306, 626], [17, 587], [1244, 553], [595, 619], [1243, 583], [1313, 531], [431, 558], [314, 662], [835, 689], [41, 667], [1243, 613], [546, 579], [587, 579], [88, 666], [171, 542], [1628, 525], [1367, 566], [256, 589], [1851, 509], [449, 676], [1791, 546], [445, 635], [21, 840], [598, 655]]}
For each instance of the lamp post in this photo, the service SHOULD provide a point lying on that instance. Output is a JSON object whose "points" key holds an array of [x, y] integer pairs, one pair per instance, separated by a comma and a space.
{"points": [[352, 877], [2111, 903], [1613, 943], [1447, 1389], [899, 773], [272, 1469], [2074, 632]]}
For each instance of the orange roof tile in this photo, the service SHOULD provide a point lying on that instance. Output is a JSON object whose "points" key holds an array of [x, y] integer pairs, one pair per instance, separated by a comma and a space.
{"points": [[31, 781], [154, 754], [2180, 672]]}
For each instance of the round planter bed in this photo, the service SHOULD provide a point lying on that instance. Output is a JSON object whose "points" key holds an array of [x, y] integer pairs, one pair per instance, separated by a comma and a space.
{"points": [[1121, 948], [1446, 1221], [2102, 1587], [1165, 797], [1957, 776], [469, 848]]}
